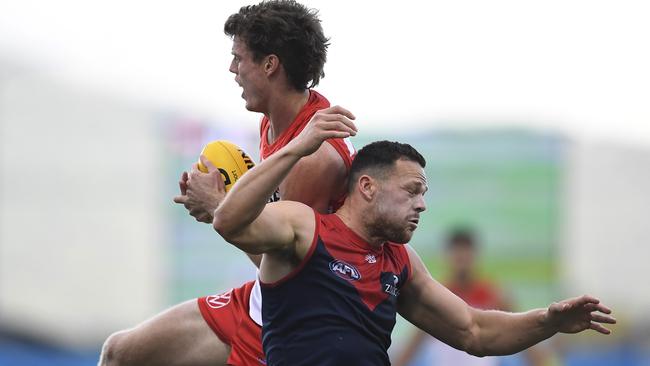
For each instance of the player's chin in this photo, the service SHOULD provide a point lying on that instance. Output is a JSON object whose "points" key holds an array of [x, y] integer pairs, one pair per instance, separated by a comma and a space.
{"points": [[252, 106], [404, 237]]}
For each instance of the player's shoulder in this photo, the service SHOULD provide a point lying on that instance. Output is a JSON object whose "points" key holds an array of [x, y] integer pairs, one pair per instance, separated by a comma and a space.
{"points": [[293, 208], [399, 252], [404, 248], [414, 261], [325, 158], [330, 150]]}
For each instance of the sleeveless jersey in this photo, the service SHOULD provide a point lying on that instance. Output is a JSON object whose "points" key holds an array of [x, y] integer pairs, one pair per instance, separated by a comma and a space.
{"points": [[344, 147], [338, 306], [315, 103], [235, 316]]}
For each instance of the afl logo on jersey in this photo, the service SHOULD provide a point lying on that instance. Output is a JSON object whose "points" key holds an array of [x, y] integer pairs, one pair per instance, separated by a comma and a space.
{"points": [[344, 270]]}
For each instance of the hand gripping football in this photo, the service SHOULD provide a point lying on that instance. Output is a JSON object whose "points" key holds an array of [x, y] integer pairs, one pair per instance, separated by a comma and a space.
{"points": [[229, 158]]}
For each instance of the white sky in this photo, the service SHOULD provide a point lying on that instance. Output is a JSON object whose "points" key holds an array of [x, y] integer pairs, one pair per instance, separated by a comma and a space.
{"points": [[582, 67]]}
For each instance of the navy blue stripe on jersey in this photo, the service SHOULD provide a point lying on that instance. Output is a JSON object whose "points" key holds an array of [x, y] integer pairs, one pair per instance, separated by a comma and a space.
{"points": [[336, 310]]}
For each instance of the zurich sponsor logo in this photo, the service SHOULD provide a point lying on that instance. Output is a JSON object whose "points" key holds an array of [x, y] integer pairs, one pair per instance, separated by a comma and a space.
{"points": [[393, 288], [344, 270]]}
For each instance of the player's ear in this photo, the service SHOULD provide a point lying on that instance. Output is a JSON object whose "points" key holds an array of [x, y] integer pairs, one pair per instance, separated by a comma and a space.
{"points": [[271, 64], [367, 187]]}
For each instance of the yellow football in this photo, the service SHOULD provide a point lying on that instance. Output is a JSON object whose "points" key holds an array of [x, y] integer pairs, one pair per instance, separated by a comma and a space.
{"points": [[229, 158]]}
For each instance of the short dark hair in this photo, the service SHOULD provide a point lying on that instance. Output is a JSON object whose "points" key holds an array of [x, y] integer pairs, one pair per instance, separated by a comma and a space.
{"points": [[288, 30], [461, 237], [381, 156]]}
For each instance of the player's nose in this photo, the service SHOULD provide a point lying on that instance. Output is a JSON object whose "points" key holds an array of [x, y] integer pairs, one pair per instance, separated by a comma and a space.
{"points": [[420, 204]]}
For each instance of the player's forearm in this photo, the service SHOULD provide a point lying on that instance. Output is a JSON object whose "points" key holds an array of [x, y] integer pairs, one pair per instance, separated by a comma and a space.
{"points": [[502, 333], [250, 194]]}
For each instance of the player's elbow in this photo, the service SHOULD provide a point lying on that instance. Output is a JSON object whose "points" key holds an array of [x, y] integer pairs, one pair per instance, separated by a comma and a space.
{"points": [[114, 351], [470, 341], [475, 350], [222, 224], [224, 229], [235, 235]]}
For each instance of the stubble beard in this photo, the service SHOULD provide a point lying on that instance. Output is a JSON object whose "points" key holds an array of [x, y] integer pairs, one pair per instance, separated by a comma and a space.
{"points": [[380, 226]]}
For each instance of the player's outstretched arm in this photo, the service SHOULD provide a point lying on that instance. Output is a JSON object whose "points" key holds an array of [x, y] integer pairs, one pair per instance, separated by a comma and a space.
{"points": [[506, 333], [431, 307], [436, 310], [243, 217]]}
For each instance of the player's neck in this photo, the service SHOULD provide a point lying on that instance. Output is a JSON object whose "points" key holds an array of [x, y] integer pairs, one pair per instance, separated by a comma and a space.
{"points": [[284, 107], [354, 221]]}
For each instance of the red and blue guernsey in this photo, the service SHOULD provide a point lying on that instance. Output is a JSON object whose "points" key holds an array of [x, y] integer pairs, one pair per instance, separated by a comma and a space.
{"points": [[338, 306]]}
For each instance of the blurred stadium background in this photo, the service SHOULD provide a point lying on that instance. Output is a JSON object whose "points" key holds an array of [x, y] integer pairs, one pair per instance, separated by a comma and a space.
{"points": [[534, 119]]}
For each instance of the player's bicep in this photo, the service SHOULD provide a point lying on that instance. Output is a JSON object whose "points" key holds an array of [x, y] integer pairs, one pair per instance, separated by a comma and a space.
{"points": [[278, 228], [433, 308], [316, 179]]}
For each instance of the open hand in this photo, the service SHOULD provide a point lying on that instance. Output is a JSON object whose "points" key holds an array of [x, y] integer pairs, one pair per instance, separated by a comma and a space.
{"points": [[333, 122], [578, 314]]}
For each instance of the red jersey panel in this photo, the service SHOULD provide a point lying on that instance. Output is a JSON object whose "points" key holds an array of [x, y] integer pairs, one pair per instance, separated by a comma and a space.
{"points": [[315, 103], [338, 307]]}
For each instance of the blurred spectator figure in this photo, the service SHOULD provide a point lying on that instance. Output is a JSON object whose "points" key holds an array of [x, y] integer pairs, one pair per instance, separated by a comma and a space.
{"points": [[461, 250]]}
